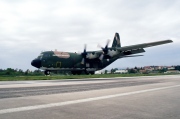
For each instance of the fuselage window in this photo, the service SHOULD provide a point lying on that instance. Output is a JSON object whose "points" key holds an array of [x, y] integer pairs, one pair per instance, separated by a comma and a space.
{"points": [[46, 55]]}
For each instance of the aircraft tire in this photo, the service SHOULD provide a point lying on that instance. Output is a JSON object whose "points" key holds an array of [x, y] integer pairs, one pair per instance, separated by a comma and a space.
{"points": [[76, 72], [73, 72], [47, 72], [92, 72], [86, 72]]}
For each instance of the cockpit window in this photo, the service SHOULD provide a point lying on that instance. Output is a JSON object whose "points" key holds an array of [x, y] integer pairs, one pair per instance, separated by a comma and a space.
{"points": [[40, 56], [46, 55]]}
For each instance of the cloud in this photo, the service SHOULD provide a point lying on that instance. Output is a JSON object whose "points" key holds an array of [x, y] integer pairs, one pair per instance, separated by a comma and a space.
{"points": [[29, 27]]}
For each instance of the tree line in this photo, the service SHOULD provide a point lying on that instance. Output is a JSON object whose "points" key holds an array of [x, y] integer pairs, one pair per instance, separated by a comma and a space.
{"points": [[20, 72]]}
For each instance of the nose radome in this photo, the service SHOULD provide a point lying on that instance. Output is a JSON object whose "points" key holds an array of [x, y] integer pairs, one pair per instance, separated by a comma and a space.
{"points": [[36, 63]]}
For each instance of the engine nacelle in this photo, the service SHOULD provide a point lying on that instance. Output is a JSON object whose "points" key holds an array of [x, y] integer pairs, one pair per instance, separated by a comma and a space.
{"points": [[91, 56], [112, 53]]}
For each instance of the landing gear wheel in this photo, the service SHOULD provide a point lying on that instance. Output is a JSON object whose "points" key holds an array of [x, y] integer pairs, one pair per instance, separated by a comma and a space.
{"points": [[86, 72], [47, 72], [92, 72], [76, 72], [73, 73]]}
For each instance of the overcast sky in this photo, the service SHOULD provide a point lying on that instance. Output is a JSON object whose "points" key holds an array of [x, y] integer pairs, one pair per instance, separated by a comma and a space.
{"points": [[28, 27]]}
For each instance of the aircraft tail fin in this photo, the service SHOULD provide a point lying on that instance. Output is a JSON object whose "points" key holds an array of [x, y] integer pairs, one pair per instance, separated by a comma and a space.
{"points": [[116, 41]]}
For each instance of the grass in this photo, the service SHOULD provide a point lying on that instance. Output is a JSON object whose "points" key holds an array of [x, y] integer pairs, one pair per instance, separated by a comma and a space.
{"points": [[58, 77]]}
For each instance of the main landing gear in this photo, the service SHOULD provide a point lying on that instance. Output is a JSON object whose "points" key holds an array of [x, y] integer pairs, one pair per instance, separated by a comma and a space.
{"points": [[76, 72], [46, 72], [92, 72]]}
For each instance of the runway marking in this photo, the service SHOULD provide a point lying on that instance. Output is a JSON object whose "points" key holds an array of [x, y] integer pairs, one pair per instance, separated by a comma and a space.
{"points": [[28, 108]]}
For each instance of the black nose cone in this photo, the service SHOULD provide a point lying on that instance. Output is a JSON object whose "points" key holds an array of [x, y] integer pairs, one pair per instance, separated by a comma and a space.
{"points": [[36, 63]]}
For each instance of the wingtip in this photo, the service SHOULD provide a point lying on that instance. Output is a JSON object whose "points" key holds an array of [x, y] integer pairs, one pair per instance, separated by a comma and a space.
{"points": [[169, 40]]}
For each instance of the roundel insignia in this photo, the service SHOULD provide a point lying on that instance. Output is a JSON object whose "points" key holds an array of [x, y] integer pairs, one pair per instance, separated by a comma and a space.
{"points": [[61, 54]]}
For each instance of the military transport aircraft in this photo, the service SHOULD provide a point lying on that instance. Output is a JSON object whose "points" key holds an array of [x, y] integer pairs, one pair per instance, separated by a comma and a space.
{"points": [[89, 61]]}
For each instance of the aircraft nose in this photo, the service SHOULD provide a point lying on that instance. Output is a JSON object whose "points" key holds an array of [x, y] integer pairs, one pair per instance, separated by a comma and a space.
{"points": [[36, 63]]}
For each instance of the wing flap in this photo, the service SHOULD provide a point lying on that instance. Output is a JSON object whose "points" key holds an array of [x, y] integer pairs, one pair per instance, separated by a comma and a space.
{"points": [[130, 56], [144, 45], [130, 52]]}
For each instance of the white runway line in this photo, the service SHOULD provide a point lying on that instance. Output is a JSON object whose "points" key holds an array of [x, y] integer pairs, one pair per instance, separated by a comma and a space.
{"points": [[28, 108]]}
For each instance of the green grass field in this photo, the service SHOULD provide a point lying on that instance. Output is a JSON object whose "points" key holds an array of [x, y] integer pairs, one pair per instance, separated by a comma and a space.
{"points": [[58, 77]]}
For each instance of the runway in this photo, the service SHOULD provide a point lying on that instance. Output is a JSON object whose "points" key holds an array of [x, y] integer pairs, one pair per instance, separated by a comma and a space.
{"points": [[128, 98]]}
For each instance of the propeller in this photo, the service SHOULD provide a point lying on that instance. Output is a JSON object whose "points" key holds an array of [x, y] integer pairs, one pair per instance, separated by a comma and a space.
{"points": [[104, 49], [84, 54]]}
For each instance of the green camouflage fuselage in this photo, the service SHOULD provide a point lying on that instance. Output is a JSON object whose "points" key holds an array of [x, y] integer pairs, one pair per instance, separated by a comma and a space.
{"points": [[51, 60]]}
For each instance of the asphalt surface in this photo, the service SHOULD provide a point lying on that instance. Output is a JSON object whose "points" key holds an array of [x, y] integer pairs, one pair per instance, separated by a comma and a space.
{"points": [[155, 97]]}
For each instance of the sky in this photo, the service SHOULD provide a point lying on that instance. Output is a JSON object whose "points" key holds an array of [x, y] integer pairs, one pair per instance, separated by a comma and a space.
{"points": [[28, 27]]}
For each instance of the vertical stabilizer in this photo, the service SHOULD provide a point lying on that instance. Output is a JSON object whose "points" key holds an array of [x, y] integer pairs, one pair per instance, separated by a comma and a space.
{"points": [[116, 41]]}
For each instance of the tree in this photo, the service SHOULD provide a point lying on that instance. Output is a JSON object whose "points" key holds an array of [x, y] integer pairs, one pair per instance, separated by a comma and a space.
{"points": [[163, 70], [132, 71], [113, 70], [10, 71], [177, 68], [105, 71]]}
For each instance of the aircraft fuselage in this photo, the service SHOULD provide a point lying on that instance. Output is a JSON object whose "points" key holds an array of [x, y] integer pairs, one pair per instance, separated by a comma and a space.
{"points": [[66, 61]]}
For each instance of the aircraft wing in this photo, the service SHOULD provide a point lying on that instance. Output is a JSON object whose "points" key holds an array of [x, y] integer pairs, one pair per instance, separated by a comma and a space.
{"points": [[144, 45]]}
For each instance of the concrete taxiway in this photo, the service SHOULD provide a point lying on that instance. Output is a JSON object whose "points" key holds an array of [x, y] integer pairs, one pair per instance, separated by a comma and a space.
{"points": [[128, 98]]}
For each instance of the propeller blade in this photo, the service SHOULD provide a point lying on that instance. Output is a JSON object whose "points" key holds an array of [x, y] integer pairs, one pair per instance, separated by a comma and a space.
{"points": [[101, 57], [99, 46], [85, 47], [108, 41], [84, 53], [82, 62], [104, 49]]}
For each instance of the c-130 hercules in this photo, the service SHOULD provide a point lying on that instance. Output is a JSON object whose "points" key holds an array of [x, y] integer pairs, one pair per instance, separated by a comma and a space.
{"points": [[89, 61]]}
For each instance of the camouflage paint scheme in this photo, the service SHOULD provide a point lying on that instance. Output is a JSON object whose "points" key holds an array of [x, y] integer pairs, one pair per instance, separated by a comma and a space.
{"points": [[90, 61]]}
